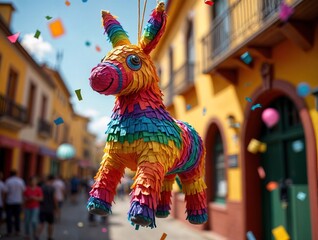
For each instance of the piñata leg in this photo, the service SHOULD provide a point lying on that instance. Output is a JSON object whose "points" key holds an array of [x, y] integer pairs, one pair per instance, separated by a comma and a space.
{"points": [[104, 188], [163, 209], [196, 202], [145, 194]]}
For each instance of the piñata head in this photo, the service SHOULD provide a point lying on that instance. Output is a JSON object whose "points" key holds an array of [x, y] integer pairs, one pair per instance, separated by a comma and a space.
{"points": [[127, 67], [142, 135]]}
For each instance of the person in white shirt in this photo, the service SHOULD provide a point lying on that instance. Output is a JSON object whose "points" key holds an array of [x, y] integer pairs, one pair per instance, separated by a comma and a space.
{"points": [[2, 192], [15, 187], [60, 188]]}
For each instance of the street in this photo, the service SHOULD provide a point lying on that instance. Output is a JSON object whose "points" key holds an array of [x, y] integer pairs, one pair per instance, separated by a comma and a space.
{"points": [[74, 225]]}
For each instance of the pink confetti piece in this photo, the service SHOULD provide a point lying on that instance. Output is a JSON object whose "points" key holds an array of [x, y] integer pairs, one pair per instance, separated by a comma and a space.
{"points": [[13, 38], [285, 11], [104, 230]]}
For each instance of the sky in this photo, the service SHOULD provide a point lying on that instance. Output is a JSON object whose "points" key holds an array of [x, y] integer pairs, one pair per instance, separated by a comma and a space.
{"points": [[82, 23]]}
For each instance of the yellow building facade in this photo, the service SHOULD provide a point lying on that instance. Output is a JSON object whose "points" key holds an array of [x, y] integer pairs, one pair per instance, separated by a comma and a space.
{"points": [[31, 98], [24, 127], [221, 67]]}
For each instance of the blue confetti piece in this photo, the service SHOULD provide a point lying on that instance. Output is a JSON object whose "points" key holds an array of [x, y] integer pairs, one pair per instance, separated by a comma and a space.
{"points": [[59, 121], [256, 106], [301, 196], [248, 99], [250, 235], [188, 106]]}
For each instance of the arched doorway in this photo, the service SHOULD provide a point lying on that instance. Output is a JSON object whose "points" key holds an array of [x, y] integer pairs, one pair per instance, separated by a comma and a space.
{"points": [[285, 163], [216, 173], [253, 186]]}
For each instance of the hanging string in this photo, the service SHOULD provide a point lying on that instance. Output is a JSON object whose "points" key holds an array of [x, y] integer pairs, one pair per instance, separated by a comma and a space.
{"points": [[138, 20], [143, 15]]}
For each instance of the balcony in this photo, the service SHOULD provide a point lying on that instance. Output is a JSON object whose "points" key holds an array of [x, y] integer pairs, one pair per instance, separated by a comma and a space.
{"points": [[181, 80], [12, 115], [254, 26], [44, 128]]}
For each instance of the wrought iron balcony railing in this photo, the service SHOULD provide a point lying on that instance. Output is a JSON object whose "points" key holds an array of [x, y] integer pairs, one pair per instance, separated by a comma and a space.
{"points": [[235, 25], [44, 128], [12, 110], [180, 81]]}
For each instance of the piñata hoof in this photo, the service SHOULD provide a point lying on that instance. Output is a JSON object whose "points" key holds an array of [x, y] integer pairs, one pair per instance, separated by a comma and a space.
{"points": [[141, 215], [200, 217], [98, 207]]}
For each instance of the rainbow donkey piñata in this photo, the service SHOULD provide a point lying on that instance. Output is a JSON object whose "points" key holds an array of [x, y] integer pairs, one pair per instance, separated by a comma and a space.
{"points": [[142, 135]]}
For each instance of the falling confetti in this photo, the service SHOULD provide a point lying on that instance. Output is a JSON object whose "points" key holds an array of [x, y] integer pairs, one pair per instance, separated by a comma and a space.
{"points": [[13, 38], [48, 18], [189, 106], [209, 2], [301, 196], [78, 94], [80, 224], [59, 121], [67, 3], [204, 111], [104, 230], [248, 99], [84, 0], [280, 233], [37, 34], [56, 28], [285, 11], [271, 186], [261, 172], [98, 49], [256, 106], [163, 237], [250, 235], [87, 43]]}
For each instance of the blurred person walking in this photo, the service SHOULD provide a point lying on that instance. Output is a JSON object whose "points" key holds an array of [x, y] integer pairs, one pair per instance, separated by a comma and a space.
{"points": [[32, 197], [60, 189], [2, 192], [14, 187], [47, 208], [75, 184]]}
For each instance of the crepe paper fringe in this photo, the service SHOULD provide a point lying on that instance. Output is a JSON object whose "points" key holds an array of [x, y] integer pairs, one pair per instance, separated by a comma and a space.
{"points": [[138, 210], [198, 217], [95, 203], [196, 202], [116, 34], [153, 30], [194, 187], [179, 182]]}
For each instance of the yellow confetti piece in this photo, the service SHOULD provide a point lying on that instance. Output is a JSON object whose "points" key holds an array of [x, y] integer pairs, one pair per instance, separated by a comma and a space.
{"points": [[280, 233], [56, 28]]}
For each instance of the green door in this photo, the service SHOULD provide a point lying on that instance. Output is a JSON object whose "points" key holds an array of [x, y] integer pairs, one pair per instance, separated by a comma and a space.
{"points": [[285, 163]]}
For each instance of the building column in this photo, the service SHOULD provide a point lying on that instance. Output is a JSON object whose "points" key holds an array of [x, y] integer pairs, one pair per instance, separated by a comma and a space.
{"points": [[16, 159]]}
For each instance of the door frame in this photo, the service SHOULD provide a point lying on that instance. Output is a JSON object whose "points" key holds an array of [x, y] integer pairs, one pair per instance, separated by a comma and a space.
{"points": [[251, 128]]}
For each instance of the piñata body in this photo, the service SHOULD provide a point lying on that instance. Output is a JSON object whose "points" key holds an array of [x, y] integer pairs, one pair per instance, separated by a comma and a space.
{"points": [[143, 136]]}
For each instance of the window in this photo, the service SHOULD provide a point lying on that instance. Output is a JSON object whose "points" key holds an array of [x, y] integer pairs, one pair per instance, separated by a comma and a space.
{"points": [[220, 26], [220, 183], [44, 106], [66, 132], [0, 60], [190, 51], [12, 84], [171, 63], [31, 97]]}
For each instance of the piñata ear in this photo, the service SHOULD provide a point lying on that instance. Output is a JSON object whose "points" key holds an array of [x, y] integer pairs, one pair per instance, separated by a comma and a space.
{"points": [[154, 28], [116, 34]]}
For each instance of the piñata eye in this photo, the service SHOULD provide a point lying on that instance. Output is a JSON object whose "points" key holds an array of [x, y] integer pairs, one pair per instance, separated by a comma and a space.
{"points": [[133, 62]]}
